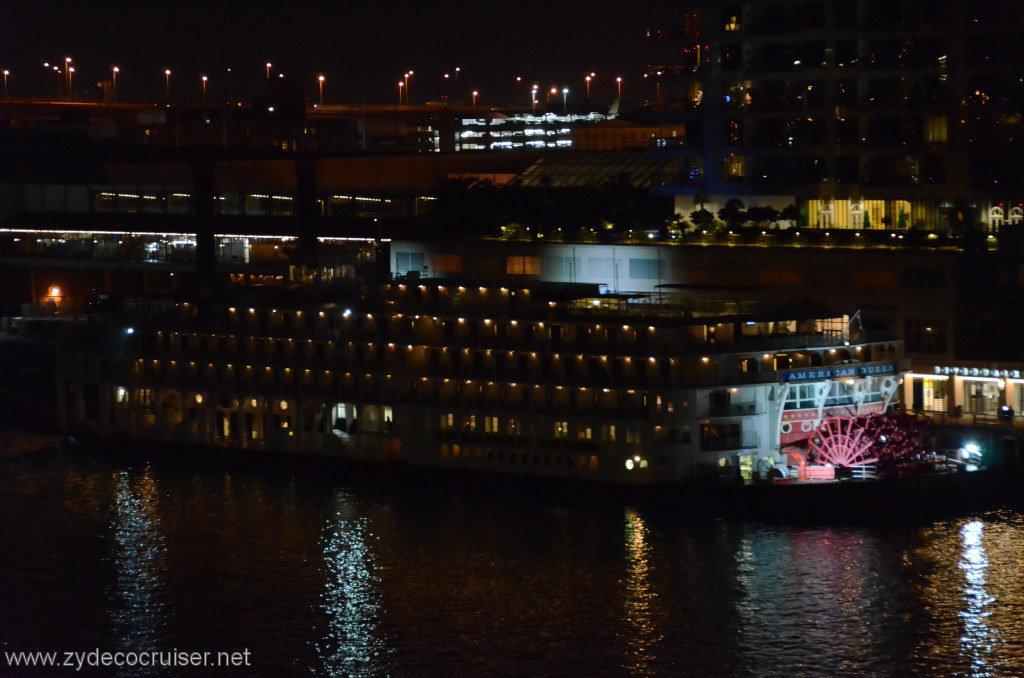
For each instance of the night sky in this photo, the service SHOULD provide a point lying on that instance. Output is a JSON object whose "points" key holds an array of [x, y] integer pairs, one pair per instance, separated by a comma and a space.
{"points": [[362, 48]]}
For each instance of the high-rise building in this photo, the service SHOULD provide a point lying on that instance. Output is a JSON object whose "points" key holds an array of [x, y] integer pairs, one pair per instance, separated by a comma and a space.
{"points": [[864, 113]]}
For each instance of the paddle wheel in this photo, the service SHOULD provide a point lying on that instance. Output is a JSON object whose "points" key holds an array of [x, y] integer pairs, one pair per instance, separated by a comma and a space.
{"points": [[886, 440]]}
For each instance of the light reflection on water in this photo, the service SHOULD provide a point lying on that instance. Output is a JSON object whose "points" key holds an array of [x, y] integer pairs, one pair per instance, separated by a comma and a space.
{"points": [[643, 617], [316, 577], [971, 595], [137, 545], [351, 646], [813, 602], [978, 639]]}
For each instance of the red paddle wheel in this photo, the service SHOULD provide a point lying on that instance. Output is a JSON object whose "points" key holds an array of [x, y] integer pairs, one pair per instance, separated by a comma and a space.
{"points": [[886, 440], [842, 441]]}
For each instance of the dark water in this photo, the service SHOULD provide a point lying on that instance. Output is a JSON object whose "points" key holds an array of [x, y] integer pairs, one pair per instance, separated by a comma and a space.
{"points": [[316, 577]]}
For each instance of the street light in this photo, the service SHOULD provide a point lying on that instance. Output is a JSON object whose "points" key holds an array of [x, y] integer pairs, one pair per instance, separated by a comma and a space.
{"points": [[519, 97], [71, 91], [565, 104], [6, 73], [407, 86], [618, 81], [458, 100], [204, 79], [533, 97], [400, 85], [475, 93], [321, 79], [588, 87], [269, 65], [167, 78], [113, 89], [67, 76]]}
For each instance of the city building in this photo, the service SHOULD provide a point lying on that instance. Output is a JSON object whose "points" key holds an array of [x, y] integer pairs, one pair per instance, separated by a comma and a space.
{"points": [[867, 114], [296, 126]]}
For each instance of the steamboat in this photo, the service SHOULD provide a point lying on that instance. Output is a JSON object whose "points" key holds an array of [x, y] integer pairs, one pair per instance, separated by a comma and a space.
{"points": [[556, 380]]}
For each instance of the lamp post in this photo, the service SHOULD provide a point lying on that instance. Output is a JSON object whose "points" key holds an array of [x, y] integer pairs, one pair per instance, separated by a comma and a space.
{"points": [[519, 97], [407, 86], [67, 77], [475, 93], [167, 83], [204, 79], [6, 73], [400, 85], [565, 103], [56, 70], [587, 79], [618, 81], [458, 99], [113, 89], [71, 90], [269, 66], [321, 79], [533, 97]]}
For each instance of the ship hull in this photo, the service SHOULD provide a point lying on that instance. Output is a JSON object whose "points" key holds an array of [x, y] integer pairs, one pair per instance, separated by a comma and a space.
{"points": [[886, 500]]}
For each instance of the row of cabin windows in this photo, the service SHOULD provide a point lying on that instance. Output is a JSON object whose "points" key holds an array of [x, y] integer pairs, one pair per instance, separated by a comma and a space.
{"points": [[405, 331], [321, 350], [511, 426], [612, 400]]}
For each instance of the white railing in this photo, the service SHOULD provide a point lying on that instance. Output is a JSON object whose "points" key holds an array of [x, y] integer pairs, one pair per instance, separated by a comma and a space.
{"points": [[864, 472]]}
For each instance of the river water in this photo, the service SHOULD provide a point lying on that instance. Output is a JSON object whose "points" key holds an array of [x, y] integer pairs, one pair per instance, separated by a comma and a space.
{"points": [[305, 574]]}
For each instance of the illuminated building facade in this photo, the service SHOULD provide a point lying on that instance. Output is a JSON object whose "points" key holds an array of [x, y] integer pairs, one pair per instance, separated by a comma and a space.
{"points": [[864, 113], [967, 392]]}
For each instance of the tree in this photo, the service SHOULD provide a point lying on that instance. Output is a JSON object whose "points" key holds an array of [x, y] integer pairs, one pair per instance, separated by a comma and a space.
{"points": [[701, 218], [763, 215], [733, 214]]}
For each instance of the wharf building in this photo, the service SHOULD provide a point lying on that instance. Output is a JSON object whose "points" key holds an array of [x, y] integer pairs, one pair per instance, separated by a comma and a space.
{"points": [[864, 113]]}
